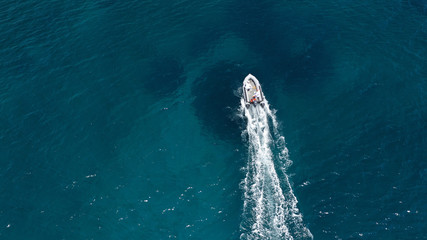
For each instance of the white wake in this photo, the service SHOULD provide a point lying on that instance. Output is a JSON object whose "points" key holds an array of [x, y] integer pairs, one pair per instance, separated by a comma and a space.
{"points": [[270, 206]]}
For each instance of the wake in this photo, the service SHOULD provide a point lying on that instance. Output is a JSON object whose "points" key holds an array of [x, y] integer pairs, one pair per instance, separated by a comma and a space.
{"points": [[270, 206]]}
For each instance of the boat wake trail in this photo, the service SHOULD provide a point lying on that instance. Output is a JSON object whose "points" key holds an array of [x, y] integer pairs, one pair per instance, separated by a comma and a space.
{"points": [[270, 206]]}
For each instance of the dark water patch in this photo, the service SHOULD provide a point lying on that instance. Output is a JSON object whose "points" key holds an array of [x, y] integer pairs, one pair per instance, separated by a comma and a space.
{"points": [[165, 76], [215, 103], [291, 46], [113, 44], [260, 34], [419, 5], [203, 38], [202, 23], [106, 3], [308, 70]]}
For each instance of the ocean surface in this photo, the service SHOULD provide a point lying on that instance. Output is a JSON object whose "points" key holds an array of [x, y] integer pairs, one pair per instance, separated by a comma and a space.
{"points": [[123, 119]]}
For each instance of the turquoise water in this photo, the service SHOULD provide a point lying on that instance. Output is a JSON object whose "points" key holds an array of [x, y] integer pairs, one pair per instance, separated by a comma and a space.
{"points": [[122, 120]]}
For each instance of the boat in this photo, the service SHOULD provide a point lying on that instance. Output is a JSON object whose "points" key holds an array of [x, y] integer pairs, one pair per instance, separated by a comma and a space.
{"points": [[252, 92]]}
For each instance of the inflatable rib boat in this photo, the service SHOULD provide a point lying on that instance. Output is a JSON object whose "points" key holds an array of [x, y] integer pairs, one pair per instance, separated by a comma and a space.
{"points": [[252, 92]]}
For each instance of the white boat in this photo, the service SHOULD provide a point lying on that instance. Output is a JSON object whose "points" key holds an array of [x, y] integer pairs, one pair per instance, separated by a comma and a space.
{"points": [[252, 92]]}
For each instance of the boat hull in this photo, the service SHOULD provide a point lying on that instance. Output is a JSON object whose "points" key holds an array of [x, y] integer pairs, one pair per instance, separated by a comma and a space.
{"points": [[252, 92]]}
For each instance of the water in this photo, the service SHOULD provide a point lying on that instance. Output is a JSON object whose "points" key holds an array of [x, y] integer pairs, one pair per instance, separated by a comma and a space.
{"points": [[269, 211], [122, 120]]}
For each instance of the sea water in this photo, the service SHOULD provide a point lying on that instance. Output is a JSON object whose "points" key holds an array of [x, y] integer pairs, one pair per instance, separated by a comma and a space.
{"points": [[122, 120], [270, 207]]}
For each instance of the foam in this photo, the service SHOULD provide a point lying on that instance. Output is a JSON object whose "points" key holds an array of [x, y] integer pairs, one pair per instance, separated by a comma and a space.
{"points": [[270, 206]]}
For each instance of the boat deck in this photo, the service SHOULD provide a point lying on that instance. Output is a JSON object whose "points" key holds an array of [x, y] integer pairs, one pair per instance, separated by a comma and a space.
{"points": [[251, 90]]}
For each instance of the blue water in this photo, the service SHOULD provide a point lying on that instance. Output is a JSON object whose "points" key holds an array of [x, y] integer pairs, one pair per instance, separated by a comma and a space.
{"points": [[122, 119]]}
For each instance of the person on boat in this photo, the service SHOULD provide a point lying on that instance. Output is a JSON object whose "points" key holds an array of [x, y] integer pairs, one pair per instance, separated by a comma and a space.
{"points": [[253, 98]]}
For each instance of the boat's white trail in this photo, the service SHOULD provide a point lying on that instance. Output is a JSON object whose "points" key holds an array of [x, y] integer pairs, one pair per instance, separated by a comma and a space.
{"points": [[270, 206]]}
